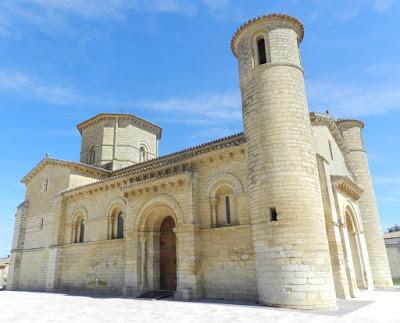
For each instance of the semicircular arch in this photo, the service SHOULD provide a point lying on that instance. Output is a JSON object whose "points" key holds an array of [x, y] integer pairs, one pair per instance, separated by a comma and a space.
{"points": [[353, 215], [78, 212], [115, 203], [163, 202], [224, 179]]}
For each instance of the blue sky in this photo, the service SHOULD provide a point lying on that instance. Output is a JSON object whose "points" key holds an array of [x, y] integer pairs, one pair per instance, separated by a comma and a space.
{"points": [[169, 61]]}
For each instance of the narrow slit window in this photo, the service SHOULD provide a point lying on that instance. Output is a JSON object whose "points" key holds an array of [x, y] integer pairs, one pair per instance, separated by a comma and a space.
{"points": [[82, 231], [46, 185], [142, 154], [120, 226], [274, 214], [228, 209], [92, 155], [41, 224], [262, 53], [330, 149]]}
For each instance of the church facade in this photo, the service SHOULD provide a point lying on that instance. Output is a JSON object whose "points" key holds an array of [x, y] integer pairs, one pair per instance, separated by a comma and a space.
{"points": [[283, 213]]}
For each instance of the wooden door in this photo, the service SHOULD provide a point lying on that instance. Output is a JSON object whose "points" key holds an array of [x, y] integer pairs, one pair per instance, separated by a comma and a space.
{"points": [[167, 255]]}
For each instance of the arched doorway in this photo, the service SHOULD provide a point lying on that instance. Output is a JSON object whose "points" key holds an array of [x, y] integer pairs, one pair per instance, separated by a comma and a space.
{"points": [[167, 254], [354, 241]]}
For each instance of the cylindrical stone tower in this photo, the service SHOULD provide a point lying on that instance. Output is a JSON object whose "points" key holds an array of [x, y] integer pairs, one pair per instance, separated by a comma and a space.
{"points": [[293, 266], [357, 160]]}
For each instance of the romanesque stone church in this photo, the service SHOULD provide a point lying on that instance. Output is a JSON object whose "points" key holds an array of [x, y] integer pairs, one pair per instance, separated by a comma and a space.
{"points": [[284, 213]]}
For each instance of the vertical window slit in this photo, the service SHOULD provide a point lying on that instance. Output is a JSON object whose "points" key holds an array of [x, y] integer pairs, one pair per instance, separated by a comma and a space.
{"points": [[228, 210], [120, 227], [82, 231], [330, 149], [274, 214], [262, 53]]}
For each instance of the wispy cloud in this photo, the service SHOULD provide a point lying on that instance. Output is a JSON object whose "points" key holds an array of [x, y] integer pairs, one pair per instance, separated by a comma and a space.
{"points": [[114, 8], [345, 10], [210, 108], [26, 85], [382, 5], [216, 105], [377, 96], [354, 100], [56, 13]]}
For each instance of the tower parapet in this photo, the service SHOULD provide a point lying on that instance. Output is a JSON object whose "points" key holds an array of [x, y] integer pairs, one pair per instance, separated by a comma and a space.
{"points": [[357, 160], [292, 257]]}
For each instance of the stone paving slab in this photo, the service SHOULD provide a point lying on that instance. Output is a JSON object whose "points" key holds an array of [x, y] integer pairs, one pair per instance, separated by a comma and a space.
{"points": [[377, 306]]}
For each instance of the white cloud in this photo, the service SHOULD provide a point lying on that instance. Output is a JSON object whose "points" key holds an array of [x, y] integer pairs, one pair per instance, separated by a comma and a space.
{"points": [[378, 96], [26, 85], [214, 106], [45, 13], [114, 8], [211, 108], [382, 5], [354, 100]]}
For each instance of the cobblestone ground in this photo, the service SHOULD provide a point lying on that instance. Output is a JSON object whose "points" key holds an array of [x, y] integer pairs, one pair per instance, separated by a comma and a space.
{"points": [[377, 306]]}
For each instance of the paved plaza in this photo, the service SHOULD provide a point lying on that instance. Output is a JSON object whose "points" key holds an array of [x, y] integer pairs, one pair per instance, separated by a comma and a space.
{"points": [[377, 306]]}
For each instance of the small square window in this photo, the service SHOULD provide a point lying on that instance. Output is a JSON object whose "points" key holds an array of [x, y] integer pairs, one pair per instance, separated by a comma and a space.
{"points": [[274, 214]]}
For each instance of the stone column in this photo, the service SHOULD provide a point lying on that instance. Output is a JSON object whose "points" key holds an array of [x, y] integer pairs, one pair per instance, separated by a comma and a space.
{"points": [[143, 261], [348, 260], [357, 160], [17, 246], [55, 245], [213, 205], [132, 269], [188, 250]]}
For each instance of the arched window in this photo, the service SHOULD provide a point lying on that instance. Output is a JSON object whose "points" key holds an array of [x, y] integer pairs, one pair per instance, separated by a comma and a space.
{"points": [[228, 209], [224, 196], [79, 230], [120, 226], [82, 231], [92, 155], [142, 154], [262, 53], [116, 224]]}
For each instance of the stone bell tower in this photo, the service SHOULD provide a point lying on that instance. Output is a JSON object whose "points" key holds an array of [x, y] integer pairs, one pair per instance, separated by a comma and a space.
{"points": [[292, 257], [357, 160]]}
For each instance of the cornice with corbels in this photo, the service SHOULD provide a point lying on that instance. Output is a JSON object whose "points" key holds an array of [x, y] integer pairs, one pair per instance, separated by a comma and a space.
{"points": [[346, 186], [135, 180]]}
